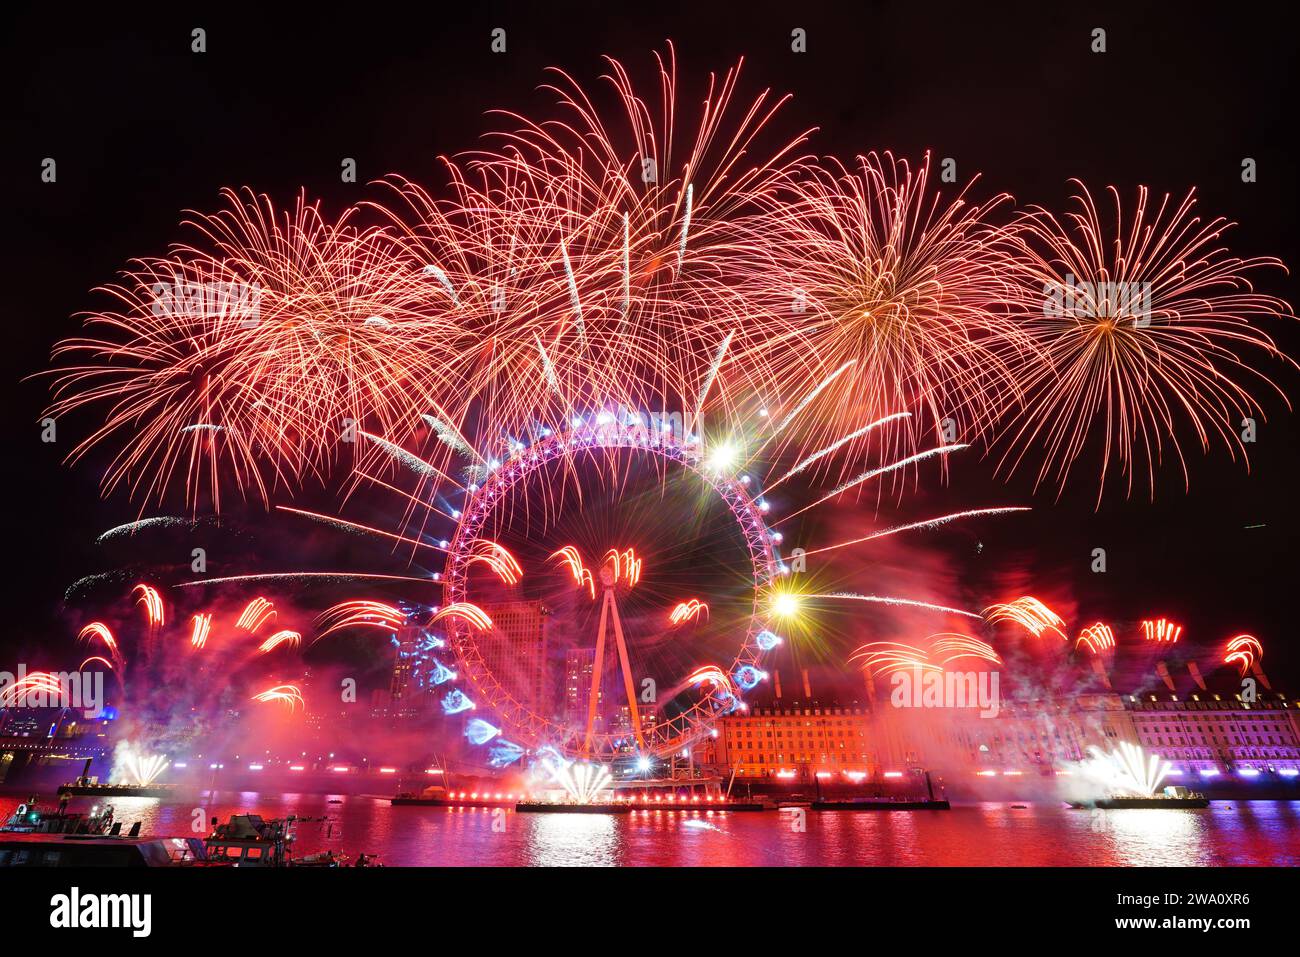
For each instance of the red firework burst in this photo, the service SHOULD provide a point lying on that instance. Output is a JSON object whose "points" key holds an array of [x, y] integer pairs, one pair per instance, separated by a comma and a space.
{"points": [[1143, 329]]}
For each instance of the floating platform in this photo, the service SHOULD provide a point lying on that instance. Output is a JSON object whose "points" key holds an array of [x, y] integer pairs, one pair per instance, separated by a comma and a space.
{"points": [[540, 807], [119, 790], [699, 806], [877, 804], [1147, 803], [401, 801]]}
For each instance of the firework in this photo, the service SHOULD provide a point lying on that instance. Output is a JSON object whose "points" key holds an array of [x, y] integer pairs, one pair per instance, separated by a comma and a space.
{"points": [[32, 690], [285, 637], [893, 657], [1161, 630], [899, 293], [465, 610], [1097, 638], [200, 629], [97, 630], [1127, 770], [141, 769], [593, 260], [1145, 335], [582, 781], [246, 357], [715, 676], [358, 614], [690, 610], [257, 613], [581, 575], [153, 605], [285, 694], [498, 559], [1028, 612], [624, 566], [952, 647], [1245, 650]]}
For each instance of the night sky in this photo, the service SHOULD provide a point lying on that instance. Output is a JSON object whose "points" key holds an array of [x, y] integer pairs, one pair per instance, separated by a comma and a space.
{"points": [[142, 128]]}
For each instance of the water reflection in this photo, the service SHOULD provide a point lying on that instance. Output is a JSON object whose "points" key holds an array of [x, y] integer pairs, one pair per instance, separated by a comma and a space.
{"points": [[590, 840], [991, 834]]}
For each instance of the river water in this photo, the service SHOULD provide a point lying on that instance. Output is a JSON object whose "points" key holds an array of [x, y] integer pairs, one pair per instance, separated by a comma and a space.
{"points": [[1227, 833]]}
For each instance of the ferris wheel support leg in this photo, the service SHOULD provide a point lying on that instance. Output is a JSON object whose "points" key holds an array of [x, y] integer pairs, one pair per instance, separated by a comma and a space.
{"points": [[594, 698], [628, 684]]}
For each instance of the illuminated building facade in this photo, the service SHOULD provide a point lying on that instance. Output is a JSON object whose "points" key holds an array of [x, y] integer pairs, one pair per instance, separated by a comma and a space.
{"points": [[1210, 734], [515, 650], [1209, 726], [792, 741]]}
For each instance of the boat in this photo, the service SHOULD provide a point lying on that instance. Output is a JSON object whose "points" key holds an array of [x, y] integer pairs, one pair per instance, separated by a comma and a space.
{"points": [[46, 849], [86, 786], [247, 840], [1120, 803], [31, 818], [118, 790]]}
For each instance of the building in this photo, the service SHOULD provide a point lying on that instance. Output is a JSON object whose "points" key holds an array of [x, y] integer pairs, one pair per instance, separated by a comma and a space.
{"points": [[791, 740], [514, 652], [1219, 723], [579, 664], [1211, 726]]}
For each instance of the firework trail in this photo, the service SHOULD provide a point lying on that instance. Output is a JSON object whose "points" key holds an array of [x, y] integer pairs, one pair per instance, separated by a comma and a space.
{"points": [[200, 629], [593, 260], [35, 685], [99, 630], [358, 614], [1028, 612], [1096, 638], [1161, 630], [284, 694], [257, 613], [888, 600], [886, 658], [153, 605], [1144, 328], [881, 273], [130, 528], [498, 559], [954, 646], [283, 637], [691, 610], [1245, 650], [240, 360]]}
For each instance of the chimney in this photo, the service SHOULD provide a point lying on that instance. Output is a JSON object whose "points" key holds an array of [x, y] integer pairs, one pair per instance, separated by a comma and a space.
{"points": [[1100, 668], [1162, 670], [776, 681], [1195, 672], [807, 688]]}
